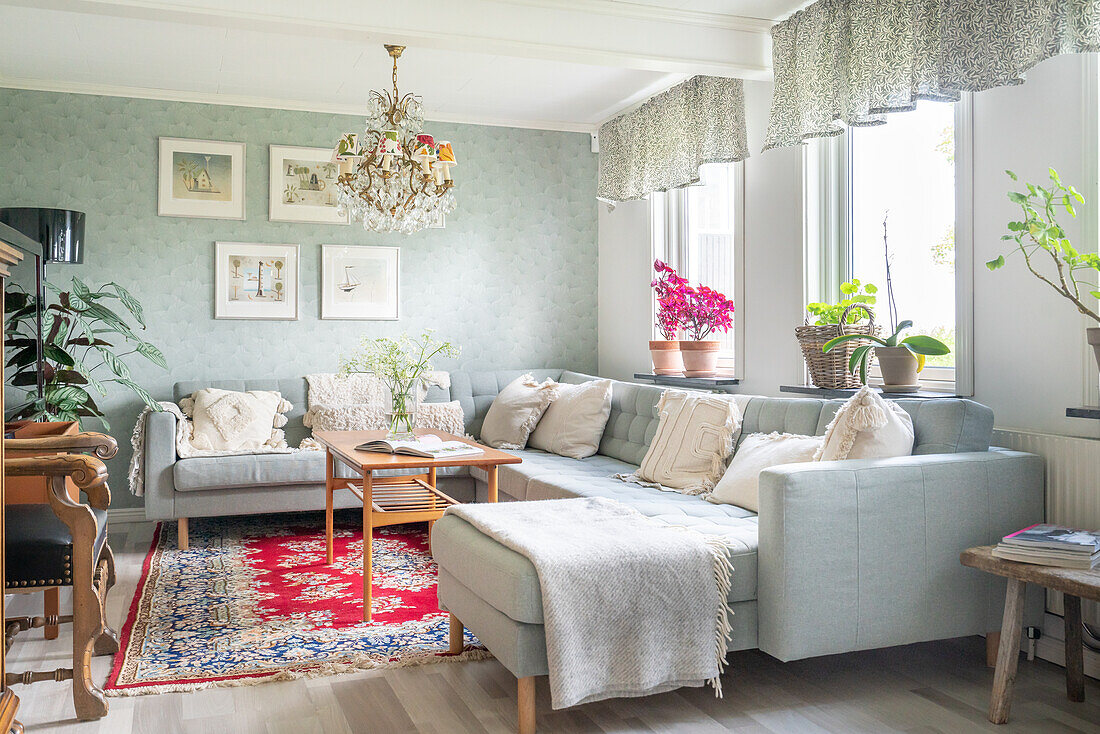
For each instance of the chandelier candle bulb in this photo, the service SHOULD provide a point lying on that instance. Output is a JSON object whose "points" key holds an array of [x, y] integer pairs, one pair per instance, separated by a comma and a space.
{"points": [[446, 158]]}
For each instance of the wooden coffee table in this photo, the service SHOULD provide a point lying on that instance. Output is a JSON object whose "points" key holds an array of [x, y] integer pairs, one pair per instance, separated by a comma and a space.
{"points": [[393, 500]]}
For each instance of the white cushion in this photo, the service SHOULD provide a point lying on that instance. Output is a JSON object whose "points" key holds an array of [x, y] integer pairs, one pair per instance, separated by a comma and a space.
{"points": [[740, 485], [867, 427], [695, 434], [573, 424], [226, 420], [516, 411], [368, 417]]}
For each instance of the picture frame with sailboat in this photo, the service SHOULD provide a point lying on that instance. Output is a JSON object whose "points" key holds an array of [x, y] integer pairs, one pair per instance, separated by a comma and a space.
{"points": [[255, 281], [360, 282], [200, 178]]}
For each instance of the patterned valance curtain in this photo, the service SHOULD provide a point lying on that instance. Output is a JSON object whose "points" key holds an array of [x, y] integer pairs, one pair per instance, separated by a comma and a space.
{"points": [[661, 145], [851, 61]]}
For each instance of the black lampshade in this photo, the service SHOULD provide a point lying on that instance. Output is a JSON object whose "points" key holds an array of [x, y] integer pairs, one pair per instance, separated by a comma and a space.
{"points": [[61, 231]]}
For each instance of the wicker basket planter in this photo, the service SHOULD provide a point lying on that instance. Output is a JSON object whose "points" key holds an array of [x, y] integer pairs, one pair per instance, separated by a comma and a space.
{"points": [[831, 370]]}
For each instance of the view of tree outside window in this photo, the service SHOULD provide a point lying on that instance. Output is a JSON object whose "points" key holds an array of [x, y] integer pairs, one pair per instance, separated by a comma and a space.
{"points": [[903, 172]]}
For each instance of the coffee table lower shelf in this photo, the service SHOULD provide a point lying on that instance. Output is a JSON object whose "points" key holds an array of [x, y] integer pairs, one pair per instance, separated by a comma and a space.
{"points": [[386, 501]]}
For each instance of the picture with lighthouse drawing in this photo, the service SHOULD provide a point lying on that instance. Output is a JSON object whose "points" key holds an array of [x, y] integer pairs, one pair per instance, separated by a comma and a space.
{"points": [[255, 281]]}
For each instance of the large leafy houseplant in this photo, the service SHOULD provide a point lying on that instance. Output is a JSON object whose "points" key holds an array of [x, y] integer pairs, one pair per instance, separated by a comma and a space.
{"points": [[1042, 243], [85, 346], [851, 293], [401, 364]]}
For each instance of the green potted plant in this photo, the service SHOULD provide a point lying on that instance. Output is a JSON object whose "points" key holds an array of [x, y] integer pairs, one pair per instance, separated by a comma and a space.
{"points": [[851, 315], [1039, 236], [85, 344]]}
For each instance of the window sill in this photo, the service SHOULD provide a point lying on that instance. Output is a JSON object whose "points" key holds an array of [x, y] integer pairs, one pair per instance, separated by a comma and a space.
{"points": [[725, 383], [822, 392]]}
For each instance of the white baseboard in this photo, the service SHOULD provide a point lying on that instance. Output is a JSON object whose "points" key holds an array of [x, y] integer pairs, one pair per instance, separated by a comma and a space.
{"points": [[1052, 646], [126, 514]]}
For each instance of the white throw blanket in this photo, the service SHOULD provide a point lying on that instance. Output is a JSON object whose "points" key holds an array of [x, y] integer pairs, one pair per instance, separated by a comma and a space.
{"points": [[631, 606], [185, 449]]}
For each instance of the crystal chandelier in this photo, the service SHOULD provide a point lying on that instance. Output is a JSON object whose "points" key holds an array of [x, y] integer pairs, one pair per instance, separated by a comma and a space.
{"points": [[393, 176]]}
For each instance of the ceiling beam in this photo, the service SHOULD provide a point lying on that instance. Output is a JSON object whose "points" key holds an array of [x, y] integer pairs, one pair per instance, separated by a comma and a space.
{"points": [[594, 32]]}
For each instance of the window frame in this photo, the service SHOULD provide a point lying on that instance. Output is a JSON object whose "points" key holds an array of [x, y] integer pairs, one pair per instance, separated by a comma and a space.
{"points": [[827, 184], [669, 227]]}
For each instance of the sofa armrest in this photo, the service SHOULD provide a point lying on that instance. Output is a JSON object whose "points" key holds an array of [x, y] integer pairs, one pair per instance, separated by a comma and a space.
{"points": [[865, 554], [160, 457]]}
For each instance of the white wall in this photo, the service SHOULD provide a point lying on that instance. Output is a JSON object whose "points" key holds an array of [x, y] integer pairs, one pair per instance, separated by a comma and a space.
{"points": [[1030, 352], [625, 302]]}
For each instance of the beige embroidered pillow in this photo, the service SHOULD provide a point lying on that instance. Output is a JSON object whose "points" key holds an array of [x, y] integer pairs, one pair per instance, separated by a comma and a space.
{"points": [[867, 427], [740, 485], [516, 411], [365, 417], [226, 420], [695, 434], [573, 424]]}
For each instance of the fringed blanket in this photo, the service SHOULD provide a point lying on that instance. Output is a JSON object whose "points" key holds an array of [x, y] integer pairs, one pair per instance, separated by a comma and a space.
{"points": [[631, 606]]}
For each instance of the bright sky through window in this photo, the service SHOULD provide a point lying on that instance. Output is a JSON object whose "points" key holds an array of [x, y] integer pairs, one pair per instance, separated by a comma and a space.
{"points": [[904, 172]]}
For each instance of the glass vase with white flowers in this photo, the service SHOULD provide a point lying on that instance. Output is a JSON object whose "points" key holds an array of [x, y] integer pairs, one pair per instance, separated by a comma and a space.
{"points": [[401, 364]]}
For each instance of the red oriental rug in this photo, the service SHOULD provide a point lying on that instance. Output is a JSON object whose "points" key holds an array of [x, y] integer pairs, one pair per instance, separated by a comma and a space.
{"points": [[252, 601]]}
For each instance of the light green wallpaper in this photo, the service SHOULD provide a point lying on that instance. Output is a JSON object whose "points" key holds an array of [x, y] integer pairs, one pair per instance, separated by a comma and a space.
{"points": [[511, 279]]}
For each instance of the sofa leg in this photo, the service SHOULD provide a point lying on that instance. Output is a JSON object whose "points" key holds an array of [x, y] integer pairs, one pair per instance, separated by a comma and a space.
{"points": [[181, 535], [525, 690], [457, 643]]}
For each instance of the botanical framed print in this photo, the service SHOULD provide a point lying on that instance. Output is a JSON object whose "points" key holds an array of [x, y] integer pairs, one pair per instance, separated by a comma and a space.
{"points": [[200, 178], [255, 281], [303, 186], [360, 282]]}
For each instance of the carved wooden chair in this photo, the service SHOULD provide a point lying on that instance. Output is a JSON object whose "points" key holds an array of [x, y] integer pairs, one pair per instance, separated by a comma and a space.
{"points": [[64, 543]]}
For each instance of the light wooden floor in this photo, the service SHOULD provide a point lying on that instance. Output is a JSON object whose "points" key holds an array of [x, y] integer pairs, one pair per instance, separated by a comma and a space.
{"points": [[921, 689]]}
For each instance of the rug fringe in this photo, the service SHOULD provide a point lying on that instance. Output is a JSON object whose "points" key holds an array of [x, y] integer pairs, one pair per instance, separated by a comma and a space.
{"points": [[313, 671]]}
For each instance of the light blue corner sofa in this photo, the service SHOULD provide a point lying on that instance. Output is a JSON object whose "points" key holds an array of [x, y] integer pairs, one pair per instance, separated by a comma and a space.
{"points": [[842, 556]]}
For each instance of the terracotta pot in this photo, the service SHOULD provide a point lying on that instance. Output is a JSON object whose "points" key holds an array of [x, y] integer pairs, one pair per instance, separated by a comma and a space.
{"points": [[899, 369], [1093, 335], [666, 357], [700, 358]]}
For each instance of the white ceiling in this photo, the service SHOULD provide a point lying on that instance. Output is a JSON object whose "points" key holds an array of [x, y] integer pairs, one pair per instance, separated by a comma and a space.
{"points": [[557, 64]]}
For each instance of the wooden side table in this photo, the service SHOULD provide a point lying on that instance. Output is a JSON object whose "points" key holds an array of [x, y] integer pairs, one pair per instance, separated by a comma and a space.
{"points": [[1073, 583]]}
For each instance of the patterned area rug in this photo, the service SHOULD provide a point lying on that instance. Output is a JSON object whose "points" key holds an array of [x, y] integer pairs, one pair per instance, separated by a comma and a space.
{"points": [[252, 601]]}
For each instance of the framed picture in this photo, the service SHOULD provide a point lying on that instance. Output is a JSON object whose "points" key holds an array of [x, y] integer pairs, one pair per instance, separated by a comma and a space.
{"points": [[360, 282], [303, 186], [254, 281], [200, 178]]}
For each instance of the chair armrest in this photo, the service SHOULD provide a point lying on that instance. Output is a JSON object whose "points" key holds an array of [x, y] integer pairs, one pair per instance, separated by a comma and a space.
{"points": [[864, 554], [100, 444], [88, 473], [160, 458]]}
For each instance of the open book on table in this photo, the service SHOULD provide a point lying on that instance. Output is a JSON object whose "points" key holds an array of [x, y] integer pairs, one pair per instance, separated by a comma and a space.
{"points": [[429, 447]]}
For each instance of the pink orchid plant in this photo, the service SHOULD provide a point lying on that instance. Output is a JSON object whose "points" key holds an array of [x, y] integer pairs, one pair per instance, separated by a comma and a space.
{"points": [[698, 311]]}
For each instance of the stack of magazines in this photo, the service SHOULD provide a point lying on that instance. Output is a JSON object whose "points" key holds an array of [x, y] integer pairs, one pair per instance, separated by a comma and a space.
{"points": [[1051, 545]]}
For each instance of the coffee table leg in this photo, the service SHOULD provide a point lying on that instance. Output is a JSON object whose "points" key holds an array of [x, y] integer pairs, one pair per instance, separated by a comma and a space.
{"points": [[1075, 653], [1008, 654], [329, 476], [493, 483], [368, 538]]}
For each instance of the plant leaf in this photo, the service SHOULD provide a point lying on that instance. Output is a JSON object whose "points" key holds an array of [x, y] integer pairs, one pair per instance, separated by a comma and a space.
{"points": [[998, 262], [132, 304], [114, 363], [140, 392], [153, 354], [59, 355], [925, 345], [828, 346]]}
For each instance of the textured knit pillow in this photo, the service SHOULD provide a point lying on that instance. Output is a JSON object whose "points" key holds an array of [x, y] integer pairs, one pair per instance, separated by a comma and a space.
{"points": [[740, 485], [867, 427], [695, 434], [226, 420], [573, 424], [365, 417], [516, 411]]}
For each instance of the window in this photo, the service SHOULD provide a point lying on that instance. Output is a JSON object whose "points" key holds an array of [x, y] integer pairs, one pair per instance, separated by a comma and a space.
{"points": [[913, 175], [698, 231]]}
